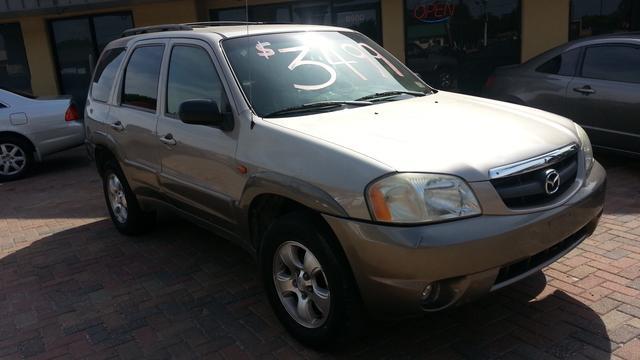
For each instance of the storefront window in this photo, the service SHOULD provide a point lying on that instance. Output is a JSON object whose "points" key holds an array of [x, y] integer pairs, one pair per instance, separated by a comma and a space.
{"points": [[596, 17], [14, 69], [456, 44], [77, 44], [360, 15]]}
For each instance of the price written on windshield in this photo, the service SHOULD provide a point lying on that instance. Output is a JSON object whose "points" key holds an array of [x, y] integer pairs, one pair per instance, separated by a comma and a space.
{"points": [[332, 58]]}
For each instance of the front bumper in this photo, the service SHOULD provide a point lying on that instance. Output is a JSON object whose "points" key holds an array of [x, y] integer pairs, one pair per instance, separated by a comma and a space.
{"points": [[467, 258]]}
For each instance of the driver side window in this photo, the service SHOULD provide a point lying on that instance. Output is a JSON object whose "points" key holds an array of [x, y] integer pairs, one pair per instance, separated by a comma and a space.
{"points": [[192, 76]]}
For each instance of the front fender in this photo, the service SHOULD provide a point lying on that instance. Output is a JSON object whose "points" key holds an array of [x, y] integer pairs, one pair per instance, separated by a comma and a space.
{"points": [[271, 183]]}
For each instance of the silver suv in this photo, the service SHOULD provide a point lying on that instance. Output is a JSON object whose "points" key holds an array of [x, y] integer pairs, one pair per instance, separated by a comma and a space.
{"points": [[359, 188]]}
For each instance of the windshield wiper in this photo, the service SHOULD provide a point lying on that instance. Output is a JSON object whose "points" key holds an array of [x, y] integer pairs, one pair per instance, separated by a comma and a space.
{"points": [[386, 94], [315, 106]]}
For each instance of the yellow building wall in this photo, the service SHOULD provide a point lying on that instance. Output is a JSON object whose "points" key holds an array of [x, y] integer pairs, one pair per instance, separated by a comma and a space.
{"points": [[393, 27], [37, 41], [545, 24]]}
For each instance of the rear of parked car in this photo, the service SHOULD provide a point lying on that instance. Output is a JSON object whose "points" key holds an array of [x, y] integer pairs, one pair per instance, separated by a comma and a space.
{"points": [[32, 128], [359, 188], [593, 81]]}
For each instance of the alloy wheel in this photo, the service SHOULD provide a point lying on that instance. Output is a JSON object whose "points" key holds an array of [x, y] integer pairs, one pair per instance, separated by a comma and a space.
{"points": [[12, 159], [117, 198], [301, 284]]}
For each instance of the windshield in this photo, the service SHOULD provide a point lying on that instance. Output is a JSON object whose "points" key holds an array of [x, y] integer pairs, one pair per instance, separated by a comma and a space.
{"points": [[290, 70]]}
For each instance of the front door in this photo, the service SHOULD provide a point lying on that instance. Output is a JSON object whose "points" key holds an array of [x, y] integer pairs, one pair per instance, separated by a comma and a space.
{"points": [[78, 42], [198, 162], [604, 98]]}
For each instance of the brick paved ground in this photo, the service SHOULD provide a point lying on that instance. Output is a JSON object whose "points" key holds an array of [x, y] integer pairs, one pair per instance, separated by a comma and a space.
{"points": [[71, 287]]}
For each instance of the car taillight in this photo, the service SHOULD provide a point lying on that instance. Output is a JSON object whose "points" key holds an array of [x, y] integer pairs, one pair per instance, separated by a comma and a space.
{"points": [[72, 113], [490, 81]]}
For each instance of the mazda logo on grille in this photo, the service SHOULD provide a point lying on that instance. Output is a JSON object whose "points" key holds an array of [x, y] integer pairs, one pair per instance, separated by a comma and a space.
{"points": [[551, 182]]}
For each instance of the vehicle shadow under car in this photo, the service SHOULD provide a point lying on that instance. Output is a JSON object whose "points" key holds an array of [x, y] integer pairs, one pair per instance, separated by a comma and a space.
{"points": [[179, 291]]}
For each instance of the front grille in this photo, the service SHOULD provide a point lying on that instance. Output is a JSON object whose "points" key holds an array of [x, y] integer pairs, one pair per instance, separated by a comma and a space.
{"points": [[528, 189]]}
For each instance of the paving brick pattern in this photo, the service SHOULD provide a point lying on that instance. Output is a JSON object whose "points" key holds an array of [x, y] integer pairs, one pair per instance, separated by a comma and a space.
{"points": [[72, 287]]}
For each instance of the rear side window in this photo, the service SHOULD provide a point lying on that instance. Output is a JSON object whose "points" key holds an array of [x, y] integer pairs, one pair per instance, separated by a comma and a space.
{"points": [[563, 64], [612, 62], [106, 73], [192, 76], [141, 76]]}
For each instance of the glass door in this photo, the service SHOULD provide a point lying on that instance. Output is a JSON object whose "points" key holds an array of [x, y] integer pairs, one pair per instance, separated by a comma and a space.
{"points": [[77, 44]]}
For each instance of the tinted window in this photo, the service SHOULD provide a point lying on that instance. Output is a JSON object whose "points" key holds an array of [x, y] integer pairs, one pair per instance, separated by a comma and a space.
{"points": [[14, 68], [106, 73], [457, 44], [141, 77], [616, 63], [563, 64], [192, 76], [596, 17]]}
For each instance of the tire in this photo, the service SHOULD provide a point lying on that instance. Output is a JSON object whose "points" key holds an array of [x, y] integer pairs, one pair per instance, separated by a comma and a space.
{"points": [[16, 158], [122, 204], [324, 322]]}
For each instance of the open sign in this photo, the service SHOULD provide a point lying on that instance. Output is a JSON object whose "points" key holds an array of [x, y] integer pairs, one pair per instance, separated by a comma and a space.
{"points": [[434, 12]]}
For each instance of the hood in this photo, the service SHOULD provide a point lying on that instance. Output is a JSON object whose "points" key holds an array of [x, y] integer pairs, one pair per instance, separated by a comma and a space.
{"points": [[442, 133]]}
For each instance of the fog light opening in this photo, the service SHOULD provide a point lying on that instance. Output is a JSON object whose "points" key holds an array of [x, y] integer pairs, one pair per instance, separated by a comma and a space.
{"points": [[430, 294]]}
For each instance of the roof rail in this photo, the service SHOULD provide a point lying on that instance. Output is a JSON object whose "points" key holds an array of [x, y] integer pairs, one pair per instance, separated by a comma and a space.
{"points": [[155, 28], [222, 23]]}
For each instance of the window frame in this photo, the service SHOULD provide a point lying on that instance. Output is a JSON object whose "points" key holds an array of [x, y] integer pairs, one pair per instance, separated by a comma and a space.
{"points": [[577, 67], [125, 64], [90, 18], [165, 105], [18, 25], [583, 58], [217, 64], [115, 79]]}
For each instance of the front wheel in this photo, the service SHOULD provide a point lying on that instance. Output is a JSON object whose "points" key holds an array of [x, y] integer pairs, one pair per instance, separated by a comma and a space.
{"points": [[122, 204], [308, 281]]}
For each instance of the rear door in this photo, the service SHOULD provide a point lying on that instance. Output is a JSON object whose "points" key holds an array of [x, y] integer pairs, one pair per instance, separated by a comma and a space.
{"points": [[198, 162], [133, 121], [605, 97], [101, 89], [547, 89]]}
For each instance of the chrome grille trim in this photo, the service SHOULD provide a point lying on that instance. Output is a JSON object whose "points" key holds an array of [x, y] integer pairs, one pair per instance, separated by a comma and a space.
{"points": [[533, 164]]}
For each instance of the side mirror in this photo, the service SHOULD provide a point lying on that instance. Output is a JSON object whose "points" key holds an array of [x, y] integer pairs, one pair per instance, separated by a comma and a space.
{"points": [[204, 112]]}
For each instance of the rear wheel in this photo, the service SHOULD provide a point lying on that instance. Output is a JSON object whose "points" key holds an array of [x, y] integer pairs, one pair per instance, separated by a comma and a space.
{"points": [[122, 204], [308, 282], [16, 158]]}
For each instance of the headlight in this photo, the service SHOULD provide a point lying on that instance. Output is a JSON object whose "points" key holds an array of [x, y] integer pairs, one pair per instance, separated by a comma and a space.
{"points": [[416, 198], [585, 145]]}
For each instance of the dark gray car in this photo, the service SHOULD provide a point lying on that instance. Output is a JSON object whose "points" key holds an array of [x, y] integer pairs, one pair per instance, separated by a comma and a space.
{"points": [[594, 82]]}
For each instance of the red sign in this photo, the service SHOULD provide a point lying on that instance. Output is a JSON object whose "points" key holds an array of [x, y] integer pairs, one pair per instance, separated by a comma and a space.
{"points": [[434, 12]]}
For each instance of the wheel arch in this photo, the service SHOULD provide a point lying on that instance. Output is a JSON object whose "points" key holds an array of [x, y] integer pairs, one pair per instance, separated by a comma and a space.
{"points": [[103, 154], [32, 147], [268, 195]]}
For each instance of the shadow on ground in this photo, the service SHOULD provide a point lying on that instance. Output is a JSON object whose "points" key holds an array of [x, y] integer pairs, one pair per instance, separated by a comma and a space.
{"points": [[180, 292]]}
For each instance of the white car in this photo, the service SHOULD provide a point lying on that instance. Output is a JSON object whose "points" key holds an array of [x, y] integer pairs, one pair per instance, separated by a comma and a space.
{"points": [[32, 128]]}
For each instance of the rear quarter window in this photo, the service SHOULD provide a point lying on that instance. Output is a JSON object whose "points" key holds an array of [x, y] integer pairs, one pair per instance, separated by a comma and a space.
{"points": [[106, 73], [563, 64]]}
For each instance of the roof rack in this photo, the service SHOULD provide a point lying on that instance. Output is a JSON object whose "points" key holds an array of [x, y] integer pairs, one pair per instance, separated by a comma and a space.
{"points": [[182, 27], [222, 23], [155, 28]]}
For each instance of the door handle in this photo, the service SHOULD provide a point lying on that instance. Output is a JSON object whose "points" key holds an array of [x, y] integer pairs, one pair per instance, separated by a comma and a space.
{"points": [[168, 140], [117, 126], [585, 90]]}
